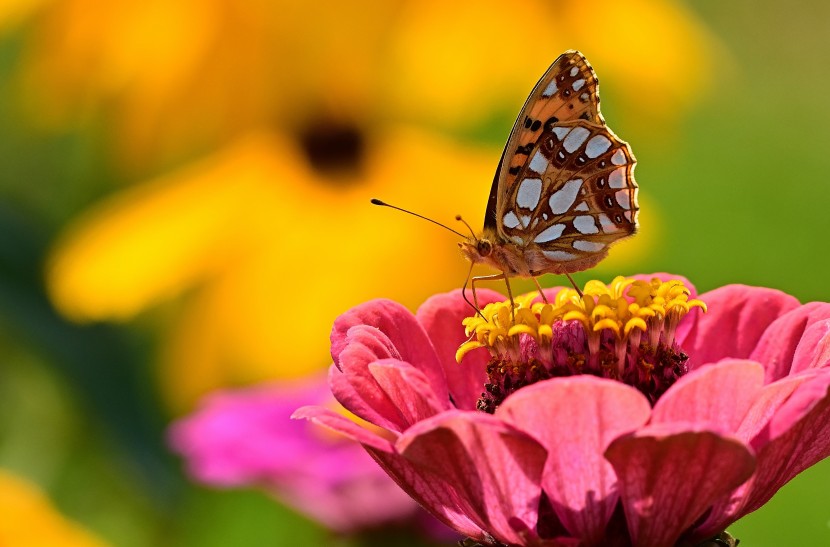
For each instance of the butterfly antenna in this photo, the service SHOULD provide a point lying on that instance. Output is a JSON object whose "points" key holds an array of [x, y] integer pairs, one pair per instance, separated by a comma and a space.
{"points": [[458, 218], [384, 204]]}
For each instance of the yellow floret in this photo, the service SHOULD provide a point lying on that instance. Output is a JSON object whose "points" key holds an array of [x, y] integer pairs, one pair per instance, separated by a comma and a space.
{"points": [[624, 306]]}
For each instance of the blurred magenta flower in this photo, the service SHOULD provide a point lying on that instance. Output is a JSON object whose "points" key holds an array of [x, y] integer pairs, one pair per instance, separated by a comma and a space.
{"points": [[245, 438], [647, 422]]}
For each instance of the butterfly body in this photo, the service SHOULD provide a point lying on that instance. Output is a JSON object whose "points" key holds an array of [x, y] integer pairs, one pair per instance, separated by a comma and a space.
{"points": [[564, 190], [518, 261]]}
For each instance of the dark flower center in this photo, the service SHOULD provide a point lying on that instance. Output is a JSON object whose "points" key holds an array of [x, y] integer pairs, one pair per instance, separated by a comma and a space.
{"points": [[333, 147]]}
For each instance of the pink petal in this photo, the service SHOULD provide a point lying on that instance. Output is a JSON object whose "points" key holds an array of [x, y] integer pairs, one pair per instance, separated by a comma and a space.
{"points": [[753, 429], [441, 317], [813, 349], [409, 391], [397, 328], [575, 419], [777, 348], [434, 494], [339, 423], [667, 480], [738, 315], [798, 437], [354, 386], [799, 411], [346, 394], [717, 397], [493, 467]]}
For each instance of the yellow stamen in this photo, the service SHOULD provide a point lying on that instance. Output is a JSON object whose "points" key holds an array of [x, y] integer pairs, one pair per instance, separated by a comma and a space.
{"points": [[625, 307]]}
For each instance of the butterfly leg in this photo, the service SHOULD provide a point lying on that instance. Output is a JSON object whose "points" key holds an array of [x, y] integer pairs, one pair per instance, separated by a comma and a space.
{"points": [[510, 294], [539, 287], [573, 284], [571, 279], [469, 281], [491, 278]]}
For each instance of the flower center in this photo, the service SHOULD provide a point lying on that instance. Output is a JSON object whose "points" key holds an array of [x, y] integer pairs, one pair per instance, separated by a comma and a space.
{"points": [[333, 147], [623, 331]]}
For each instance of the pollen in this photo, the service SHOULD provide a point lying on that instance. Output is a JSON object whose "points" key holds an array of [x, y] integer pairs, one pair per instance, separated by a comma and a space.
{"points": [[624, 330]]}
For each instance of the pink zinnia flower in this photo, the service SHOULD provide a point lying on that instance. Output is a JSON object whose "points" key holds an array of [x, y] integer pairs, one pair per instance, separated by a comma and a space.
{"points": [[246, 438], [628, 417]]}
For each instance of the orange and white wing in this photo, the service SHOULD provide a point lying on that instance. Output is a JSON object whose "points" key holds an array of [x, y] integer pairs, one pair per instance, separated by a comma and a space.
{"points": [[569, 90], [575, 195]]}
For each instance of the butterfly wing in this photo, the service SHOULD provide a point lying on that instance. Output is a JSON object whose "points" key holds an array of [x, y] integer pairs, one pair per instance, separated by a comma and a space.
{"points": [[575, 195], [569, 90]]}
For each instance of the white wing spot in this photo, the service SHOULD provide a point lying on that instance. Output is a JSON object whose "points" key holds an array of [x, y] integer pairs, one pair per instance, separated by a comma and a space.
{"points": [[597, 145], [538, 162], [517, 240], [623, 199], [628, 216], [584, 96], [586, 225], [525, 219], [582, 207], [577, 85], [544, 216], [562, 199], [574, 71], [617, 178], [607, 226], [530, 190], [588, 246], [551, 89], [559, 256], [510, 220], [619, 157], [560, 132], [550, 233], [575, 138]]}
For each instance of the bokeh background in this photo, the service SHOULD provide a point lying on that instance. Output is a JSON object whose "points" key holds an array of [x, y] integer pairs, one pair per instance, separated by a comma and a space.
{"points": [[184, 207]]}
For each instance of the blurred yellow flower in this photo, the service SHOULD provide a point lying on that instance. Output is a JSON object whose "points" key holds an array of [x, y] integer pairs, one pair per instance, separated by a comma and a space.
{"points": [[301, 115], [257, 228], [174, 77], [30, 520], [656, 52], [12, 12]]}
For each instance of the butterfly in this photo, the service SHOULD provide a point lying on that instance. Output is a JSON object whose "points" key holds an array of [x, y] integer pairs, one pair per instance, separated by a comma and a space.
{"points": [[564, 190]]}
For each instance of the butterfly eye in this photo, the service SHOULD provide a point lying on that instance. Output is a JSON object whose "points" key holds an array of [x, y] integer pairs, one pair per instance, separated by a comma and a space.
{"points": [[484, 247]]}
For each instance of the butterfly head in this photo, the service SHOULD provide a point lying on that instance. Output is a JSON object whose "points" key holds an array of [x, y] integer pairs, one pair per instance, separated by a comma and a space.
{"points": [[476, 249]]}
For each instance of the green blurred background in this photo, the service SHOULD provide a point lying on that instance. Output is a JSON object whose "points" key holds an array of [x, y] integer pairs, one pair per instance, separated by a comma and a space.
{"points": [[735, 186]]}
